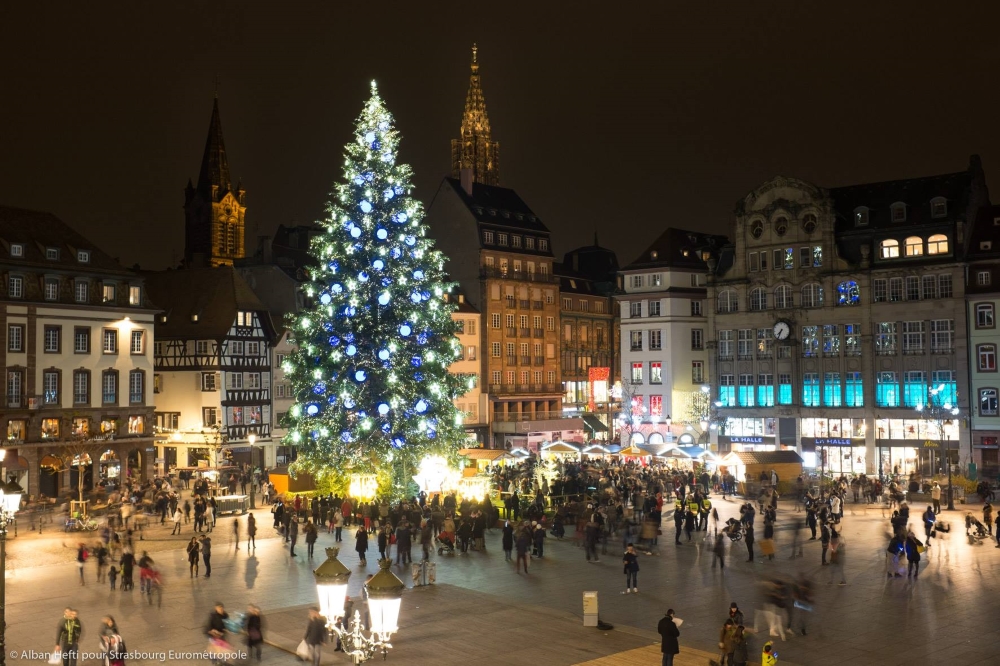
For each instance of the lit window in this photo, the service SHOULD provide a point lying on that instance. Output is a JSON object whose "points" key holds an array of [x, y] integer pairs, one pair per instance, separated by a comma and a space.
{"points": [[987, 358], [914, 246], [488, 237], [848, 293], [937, 244], [637, 373], [16, 250], [988, 402], [134, 295], [886, 389], [109, 293], [655, 372], [889, 249]]}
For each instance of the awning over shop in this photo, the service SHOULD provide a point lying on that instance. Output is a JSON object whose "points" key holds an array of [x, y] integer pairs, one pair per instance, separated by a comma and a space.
{"points": [[634, 451], [593, 423]]}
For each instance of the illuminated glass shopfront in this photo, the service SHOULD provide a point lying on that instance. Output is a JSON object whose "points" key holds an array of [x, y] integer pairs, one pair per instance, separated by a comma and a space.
{"points": [[835, 446], [914, 446]]}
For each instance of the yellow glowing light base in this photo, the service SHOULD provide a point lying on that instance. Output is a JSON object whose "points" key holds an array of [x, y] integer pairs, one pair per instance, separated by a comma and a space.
{"points": [[434, 475], [364, 486], [474, 487]]}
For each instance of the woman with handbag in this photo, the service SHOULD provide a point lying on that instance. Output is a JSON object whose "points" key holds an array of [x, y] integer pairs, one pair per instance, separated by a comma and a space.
{"points": [[913, 547], [255, 631]]}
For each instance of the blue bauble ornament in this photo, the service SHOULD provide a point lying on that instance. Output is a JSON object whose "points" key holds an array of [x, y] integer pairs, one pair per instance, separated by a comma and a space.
{"points": [[333, 266], [368, 175], [383, 354], [358, 180], [383, 298], [422, 338], [378, 264], [415, 361], [363, 276], [319, 388], [415, 297], [386, 427], [325, 299], [403, 217], [312, 409], [388, 194], [349, 402], [398, 189], [314, 434], [351, 350], [333, 340], [405, 330], [332, 400], [387, 157], [337, 288], [366, 207], [398, 441], [355, 232], [349, 336], [383, 408], [369, 137], [432, 434], [421, 406], [418, 274], [383, 125], [327, 326], [418, 376], [345, 436], [411, 240], [386, 281], [360, 375], [395, 253], [425, 295], [381, 234]]}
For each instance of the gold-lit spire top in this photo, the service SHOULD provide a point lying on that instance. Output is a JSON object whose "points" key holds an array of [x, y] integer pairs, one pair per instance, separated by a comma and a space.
{"points": [[476, 150]]}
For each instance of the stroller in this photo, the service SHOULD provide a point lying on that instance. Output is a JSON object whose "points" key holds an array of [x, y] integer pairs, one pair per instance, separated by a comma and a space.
{"points": [[733, 529], [975, 530], [446, 543]]}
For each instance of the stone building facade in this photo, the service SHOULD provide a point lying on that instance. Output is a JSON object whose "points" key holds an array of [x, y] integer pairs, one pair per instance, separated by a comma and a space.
{"points": [[836, 315]]}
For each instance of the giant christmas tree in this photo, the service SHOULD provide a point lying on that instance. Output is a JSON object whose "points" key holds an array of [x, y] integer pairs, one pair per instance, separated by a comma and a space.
{"points": [[370, 376]]}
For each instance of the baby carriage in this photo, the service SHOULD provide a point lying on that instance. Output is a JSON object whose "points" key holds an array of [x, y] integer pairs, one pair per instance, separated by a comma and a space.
{"points": [[733, 530], [975, 530], [446, 543]]}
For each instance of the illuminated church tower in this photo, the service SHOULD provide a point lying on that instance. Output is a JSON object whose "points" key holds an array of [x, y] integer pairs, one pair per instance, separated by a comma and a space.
{"points": [[213, 211], [476, 150]]}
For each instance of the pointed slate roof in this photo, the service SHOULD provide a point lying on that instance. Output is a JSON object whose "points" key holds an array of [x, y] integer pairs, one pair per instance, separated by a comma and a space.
{"points": [[214, 165]]}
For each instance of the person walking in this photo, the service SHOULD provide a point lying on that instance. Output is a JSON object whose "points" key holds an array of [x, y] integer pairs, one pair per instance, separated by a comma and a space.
{"points": [[316, 631], [631, 562], [678, 522], [825, 541], [523, 546], [81, 559], [311, 535], [741, 651], [719, 551], [507, 540], [68, 637], [293, 536], [726, 645], [811, 520], [193, 549], [251, 532], [206, 554], [111, 642], [255, 631], [988, 517], [209, 517], [669, 637], [101, 557], [177, 518], [236, 535], [112, 575], [913, 547], [748, 538], [936, 497], [361, 544]]}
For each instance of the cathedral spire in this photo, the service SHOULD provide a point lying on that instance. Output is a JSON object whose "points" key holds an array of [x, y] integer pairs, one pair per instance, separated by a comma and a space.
{"points": [[213, 179], [476, 150]]}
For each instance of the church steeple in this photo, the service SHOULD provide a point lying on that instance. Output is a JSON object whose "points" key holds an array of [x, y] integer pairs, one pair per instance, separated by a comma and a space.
{"points": [[476, 150], [213, 179], [213, 211]]}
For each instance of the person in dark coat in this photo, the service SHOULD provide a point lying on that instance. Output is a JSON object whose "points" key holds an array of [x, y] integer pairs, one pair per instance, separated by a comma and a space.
{"points": [[68, 637], [255, 631], [912, 547], [293, 536], [523, 545], [748, 537], [669, 634], [508, 540], [311, 535], [316, 629], [403, 542], [383, 541], [251, 532], [206, 554], [361, 544]]}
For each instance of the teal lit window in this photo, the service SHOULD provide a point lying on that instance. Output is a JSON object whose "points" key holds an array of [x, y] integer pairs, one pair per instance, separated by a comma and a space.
{"points": [[887, 390], [947, 390], [727, 391], [765, 390], [831, 389], [854, 390], [810, 389], [784, 389], [745, 395], [914, 389]]}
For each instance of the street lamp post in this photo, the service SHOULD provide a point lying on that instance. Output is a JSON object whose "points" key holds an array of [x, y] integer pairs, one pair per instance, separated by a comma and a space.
{"points": [[10, 502], [252, 438], [385, 593], [941, 414]]}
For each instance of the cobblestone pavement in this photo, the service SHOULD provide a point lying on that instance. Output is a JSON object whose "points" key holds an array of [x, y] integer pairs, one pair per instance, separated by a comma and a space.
{"points": [[481, 610]]}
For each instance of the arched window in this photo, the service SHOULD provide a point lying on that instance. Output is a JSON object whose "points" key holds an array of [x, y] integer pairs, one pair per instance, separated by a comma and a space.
{"points": [[812, 296], [914, 246], [655, 438], [937, 244], [637, 438], [729, 301], [848, 293], [781, 226], [889, 249], [757, 228], [758, 299], [809, 223], [782, 296]]}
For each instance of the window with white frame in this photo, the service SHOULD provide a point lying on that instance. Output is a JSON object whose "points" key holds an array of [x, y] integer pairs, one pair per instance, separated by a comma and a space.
{"points": [[15, 286], [654, 308], [812, 296], [914, 246], [729, 301], [234, 381], [208, 382], [81, 291], [983, 278], [495, 349], [725, 345], [655, 339], [51, 289], [782, 297], [136, 345], [985, 315], [942, 332], [898, 212], [913, 337], [635, 340], [987, 402], [697, 372], [697, 339], [745, 343], [635, 309], [636, 373], [110, 345], [944, 286], [937, 244], [889, 249], [987, 355], [636, 281], [758, 299], [695, 308]]}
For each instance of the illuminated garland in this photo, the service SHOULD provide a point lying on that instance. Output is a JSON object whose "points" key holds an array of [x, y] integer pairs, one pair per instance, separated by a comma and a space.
{"points": [[370, 375]]}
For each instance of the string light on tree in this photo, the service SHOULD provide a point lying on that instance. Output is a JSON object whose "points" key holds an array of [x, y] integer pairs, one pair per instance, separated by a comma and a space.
{"points": [[370, 376]]}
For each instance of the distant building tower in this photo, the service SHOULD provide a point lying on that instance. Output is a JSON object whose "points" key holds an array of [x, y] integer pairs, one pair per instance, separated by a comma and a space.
{"points": [[213, 210], [475, 152]]}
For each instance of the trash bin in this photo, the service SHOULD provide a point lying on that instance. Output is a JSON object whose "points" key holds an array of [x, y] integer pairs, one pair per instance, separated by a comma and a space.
{"points": [[590, 609]]}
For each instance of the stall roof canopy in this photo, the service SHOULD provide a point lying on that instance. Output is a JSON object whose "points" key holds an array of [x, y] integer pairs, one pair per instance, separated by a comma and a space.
{"points": [[634, 451], [766, 457], [594, 423], [482, 454], [560, 447]]}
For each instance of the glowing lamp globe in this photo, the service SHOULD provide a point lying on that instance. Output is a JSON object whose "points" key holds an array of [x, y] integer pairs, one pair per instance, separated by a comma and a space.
{"points": [[331, 586], [385, 595], [10, 498]]}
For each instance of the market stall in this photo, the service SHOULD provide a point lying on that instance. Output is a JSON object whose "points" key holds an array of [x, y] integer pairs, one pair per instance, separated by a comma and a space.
{"points": [[560, 450]]}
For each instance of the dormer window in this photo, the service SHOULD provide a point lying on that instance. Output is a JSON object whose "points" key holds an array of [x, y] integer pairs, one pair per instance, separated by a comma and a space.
{"points": [[937, 244], [809, 223], [889, 249], [83, 256], [985, 245], [503, 239], [493, 212], [516, 240], [529, 242], [16, 250], [861, 216], [488, 237], [757, 228], [543, 245], [899, 212], [506, 214], [52, 253], [781, 226], [939, 207]]}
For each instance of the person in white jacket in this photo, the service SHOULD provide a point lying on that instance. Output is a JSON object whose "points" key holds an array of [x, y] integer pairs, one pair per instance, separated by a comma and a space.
{"points": [[178, 517], [209, 516], [835, 508]]}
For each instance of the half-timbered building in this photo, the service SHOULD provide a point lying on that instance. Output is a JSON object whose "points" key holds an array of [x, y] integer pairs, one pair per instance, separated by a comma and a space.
{"points": [[213, 364]]}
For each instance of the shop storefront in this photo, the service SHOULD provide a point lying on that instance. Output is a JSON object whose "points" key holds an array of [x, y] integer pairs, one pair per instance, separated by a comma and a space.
{"points": [[908, 446], [110, 469], [986, 454], [749, 434], [836, 446]]}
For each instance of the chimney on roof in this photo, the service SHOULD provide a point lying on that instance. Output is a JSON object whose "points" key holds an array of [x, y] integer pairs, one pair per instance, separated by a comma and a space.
{"points": [[266, 249], [465, 177]]}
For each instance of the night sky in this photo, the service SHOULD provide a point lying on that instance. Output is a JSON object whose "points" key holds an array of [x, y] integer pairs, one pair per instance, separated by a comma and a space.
{"points": [[608, 123]]}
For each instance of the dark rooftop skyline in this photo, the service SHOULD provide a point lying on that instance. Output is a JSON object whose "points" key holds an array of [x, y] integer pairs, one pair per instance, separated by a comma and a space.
{"points": [[621, 123]]}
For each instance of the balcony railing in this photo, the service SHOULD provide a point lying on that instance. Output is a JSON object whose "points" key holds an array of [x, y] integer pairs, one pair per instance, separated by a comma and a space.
{"points": [[510, 303], [539, 360], [943, 350], [538, 333], [525, 333], [511, 359], [536, 305], [516, 275], [525, 360], [511, 332], [523, 303], [513, 389]]}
